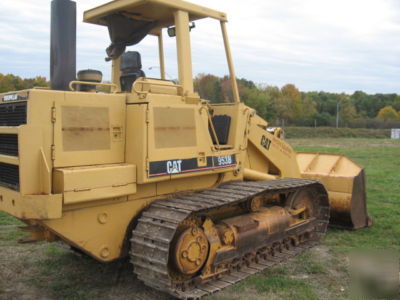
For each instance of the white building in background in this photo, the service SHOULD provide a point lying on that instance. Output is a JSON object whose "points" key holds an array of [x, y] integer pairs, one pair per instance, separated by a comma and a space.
{"points": [[396, 133]]}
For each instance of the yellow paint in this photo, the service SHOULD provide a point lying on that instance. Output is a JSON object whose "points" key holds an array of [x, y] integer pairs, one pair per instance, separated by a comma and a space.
{"points": [[39, 207]]}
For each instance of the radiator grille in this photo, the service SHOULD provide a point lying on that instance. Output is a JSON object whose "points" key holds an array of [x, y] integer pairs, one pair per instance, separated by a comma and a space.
{"points": [[9, 176], [13, 114], [9, 144]]}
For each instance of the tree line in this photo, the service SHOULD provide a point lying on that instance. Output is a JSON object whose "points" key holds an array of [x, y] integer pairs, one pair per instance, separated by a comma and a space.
{"points": [[288, 106], [11, 82], [285, 106]]}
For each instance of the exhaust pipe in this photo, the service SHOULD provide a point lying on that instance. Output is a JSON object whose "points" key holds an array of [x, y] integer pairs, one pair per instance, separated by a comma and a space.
{"points": [[62, 44]]}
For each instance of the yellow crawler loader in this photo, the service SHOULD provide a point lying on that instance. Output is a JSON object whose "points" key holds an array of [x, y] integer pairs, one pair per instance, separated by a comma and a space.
{"points": [[199, 195]]}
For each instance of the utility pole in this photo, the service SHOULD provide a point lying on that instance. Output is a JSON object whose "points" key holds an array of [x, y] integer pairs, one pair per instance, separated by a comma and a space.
{"points": [[337, 114]]}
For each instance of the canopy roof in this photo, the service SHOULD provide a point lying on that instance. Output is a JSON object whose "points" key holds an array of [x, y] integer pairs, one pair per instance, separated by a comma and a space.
{"points": [[160, 11]]}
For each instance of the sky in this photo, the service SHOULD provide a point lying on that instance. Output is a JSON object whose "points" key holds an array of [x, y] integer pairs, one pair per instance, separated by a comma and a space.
{"points": [[318, 45]]}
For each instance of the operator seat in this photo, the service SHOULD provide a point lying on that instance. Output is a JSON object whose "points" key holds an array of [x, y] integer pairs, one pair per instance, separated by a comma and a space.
{"points": [[131, 69]]}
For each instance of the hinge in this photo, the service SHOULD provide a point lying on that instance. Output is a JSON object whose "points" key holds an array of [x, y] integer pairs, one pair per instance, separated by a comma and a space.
{"points": [[53, 114], [53, 152], [147, 165], [147, 116]]}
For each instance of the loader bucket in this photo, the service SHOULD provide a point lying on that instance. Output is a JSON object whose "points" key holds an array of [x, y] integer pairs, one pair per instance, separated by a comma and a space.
{"points": [[345, 183]]}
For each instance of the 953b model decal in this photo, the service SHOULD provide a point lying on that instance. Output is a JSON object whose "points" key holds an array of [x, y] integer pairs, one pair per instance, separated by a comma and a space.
{"points": [[182, 166]]}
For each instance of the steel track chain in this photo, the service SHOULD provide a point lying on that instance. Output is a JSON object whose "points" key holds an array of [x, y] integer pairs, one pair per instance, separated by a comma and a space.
{"points": [[155, 231]]}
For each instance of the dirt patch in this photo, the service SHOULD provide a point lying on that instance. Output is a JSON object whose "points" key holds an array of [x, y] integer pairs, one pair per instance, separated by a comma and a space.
{"points": [[44, 271], [15, 270]]}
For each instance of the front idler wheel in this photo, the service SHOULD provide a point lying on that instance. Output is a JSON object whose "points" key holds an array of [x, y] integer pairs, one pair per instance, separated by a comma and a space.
{"points": [[191, 251]]}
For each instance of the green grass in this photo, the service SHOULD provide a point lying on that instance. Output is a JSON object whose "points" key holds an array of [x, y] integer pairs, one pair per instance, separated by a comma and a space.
{"points": [[6, 219], [64, 274], [75, 280], [276, 280], [332, 132], [9, 234], [318, 273]]}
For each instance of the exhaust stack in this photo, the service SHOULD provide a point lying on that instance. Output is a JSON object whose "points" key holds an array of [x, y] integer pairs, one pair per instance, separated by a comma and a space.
{"points": [[62, 44]]}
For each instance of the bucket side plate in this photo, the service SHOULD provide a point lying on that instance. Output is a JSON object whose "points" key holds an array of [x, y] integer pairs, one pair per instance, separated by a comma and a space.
{"points": [[345, 183]]}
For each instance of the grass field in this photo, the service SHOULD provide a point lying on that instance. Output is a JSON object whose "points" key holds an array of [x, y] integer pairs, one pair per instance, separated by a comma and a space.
{"points": [[50, 271], [331, 132]]}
